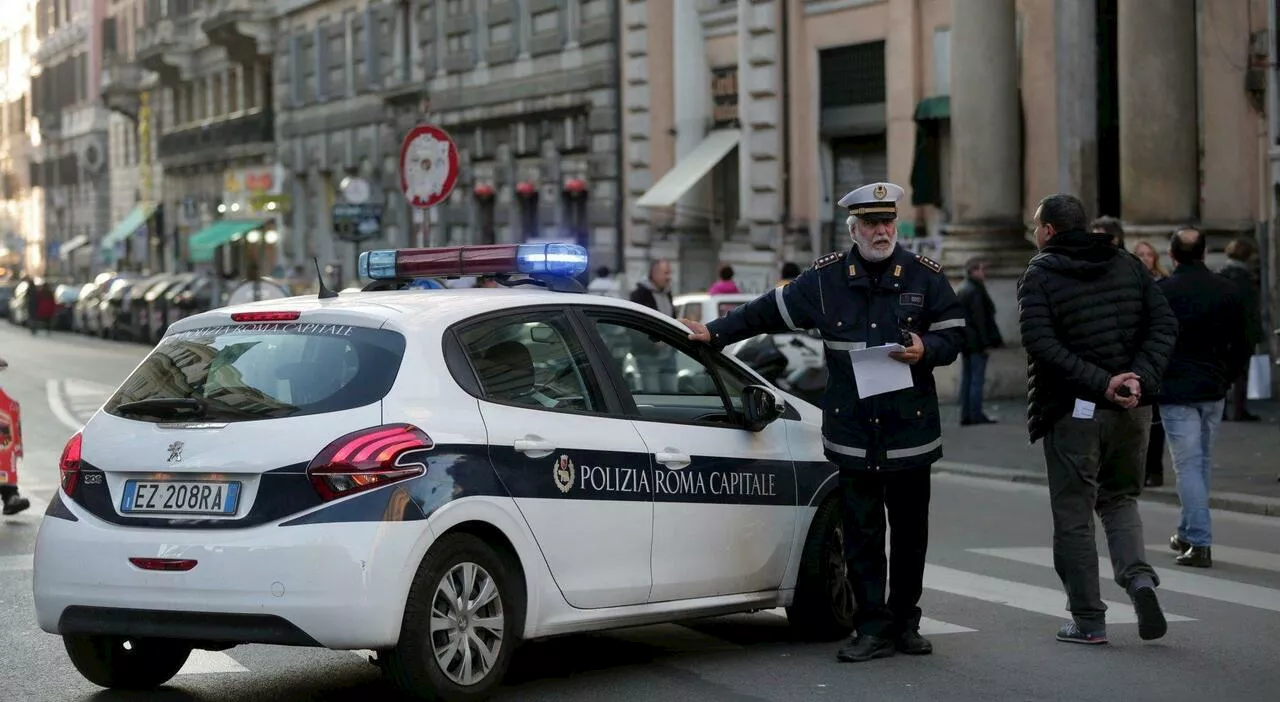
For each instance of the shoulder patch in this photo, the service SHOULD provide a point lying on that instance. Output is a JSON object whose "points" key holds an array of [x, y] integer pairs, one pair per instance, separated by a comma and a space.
{"points": [[827, 260], [929, 263]]}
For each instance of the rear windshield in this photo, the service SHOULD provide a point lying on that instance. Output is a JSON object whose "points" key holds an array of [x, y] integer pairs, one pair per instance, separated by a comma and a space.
{"points": [[244, 372]]}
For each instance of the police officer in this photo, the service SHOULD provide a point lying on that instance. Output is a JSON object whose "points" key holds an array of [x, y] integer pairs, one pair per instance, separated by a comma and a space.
{"points": [[875, 293]]}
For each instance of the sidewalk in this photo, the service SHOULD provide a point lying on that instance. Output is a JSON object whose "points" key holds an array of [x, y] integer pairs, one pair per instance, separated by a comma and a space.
{"points": [[1246, 457]]}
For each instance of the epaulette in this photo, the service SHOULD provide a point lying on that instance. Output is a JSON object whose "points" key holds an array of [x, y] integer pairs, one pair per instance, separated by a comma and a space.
{"points": [[929, 263], [828, 259]]}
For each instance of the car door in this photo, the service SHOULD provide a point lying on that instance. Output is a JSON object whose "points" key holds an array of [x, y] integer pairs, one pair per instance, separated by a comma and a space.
{"points": [[580, 477], [724, 497]]}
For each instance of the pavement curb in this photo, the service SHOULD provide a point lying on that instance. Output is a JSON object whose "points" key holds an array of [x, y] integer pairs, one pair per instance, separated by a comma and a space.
{"points": [[1229, 501]]}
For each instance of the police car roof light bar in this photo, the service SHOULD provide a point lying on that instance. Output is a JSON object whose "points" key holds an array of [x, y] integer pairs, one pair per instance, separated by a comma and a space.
{"points": [[559, 260]]}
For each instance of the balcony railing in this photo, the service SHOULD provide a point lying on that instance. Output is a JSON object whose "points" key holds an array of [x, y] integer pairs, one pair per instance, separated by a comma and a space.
{"points": [[254, 128]]}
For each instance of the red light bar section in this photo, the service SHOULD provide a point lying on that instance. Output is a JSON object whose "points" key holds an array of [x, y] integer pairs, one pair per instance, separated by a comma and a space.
{"points": [[165, 564], [457, 260], [265, 316]]}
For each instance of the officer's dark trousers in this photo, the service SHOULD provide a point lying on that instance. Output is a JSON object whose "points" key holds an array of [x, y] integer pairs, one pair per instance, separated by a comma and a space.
{"points": [[867, 494], [1097, 465]]}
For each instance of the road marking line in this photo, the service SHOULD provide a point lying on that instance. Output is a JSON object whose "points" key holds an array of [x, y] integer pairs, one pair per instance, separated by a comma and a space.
{"points": [[1010, 593], [54, 391], [1171, 580], [1260, 560], [208, 662], [18, 562], [928, 627], [364, 654]]}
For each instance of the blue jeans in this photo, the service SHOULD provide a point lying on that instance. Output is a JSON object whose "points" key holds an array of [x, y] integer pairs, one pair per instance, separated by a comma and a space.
{"points": [[973, 373], [1190, 430]]}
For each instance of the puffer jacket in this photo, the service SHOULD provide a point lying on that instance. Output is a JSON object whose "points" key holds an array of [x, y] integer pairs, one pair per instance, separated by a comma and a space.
{"points": [[1088, 311]]}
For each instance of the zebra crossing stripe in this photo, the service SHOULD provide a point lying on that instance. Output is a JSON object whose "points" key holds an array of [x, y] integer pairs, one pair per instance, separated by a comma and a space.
{"points": [[208, 662], [1032, 598], [1172, 580], [928, 627], [1260, 560]]}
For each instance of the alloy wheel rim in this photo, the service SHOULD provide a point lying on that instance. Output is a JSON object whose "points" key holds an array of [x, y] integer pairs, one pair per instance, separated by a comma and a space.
{"points": [[838, 586], [466, 624]]}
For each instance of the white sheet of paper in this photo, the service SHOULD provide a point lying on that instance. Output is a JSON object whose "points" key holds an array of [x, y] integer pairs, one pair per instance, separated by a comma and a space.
{"points": [[876, 373], [1083, 410]]}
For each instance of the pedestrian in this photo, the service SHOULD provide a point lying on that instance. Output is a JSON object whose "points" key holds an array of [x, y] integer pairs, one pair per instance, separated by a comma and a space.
{"points": [[1098, 335], [604, 284], [1111, 227], [654, 291], [11, 502], [1239, 270], [1150, 259], [725, 285], [790, 271], [980, 336], [46, 308], [1213, 347], [875, 293]]}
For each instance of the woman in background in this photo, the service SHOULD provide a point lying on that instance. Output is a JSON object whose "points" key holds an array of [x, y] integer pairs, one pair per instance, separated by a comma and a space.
{"points": [[1155, 449]]}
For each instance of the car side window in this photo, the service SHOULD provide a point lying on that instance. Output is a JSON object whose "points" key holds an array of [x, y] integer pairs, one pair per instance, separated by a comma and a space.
{"points": [[665, 379], [533, 361], [692, 310]]}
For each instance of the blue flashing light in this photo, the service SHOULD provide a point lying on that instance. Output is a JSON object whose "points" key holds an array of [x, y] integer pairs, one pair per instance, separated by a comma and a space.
{"points": [[564, 260], [426, 284], [378, 265]]}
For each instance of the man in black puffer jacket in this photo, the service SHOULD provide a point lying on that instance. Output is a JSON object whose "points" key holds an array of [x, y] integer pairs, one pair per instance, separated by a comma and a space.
{"points": [[1098, 335]]}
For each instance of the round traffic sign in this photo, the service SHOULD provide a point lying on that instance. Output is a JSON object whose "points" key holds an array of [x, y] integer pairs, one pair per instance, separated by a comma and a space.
{"points": [[428, 166]]}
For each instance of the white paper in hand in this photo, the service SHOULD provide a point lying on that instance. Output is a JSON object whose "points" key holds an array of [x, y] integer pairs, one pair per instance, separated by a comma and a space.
{"points": [[876, 373]]}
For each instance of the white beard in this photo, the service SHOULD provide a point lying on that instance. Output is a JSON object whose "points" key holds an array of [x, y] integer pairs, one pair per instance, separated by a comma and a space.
{"points": [[870, 255]]}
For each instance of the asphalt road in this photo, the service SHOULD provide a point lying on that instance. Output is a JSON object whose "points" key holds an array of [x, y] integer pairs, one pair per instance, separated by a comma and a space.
{"points": [[992, 599]]}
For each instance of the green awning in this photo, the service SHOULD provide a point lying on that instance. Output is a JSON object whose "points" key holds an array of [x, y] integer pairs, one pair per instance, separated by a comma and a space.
{"points": [[936, 107], [127, 226], [202, 243]]}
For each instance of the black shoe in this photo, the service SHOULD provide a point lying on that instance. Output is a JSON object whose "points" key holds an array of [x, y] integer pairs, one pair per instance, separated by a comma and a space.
{"points": [[1178, 545], [1246, 417], [15, 503], [1154, 481], [1151, 622], [1196, 557], [913, 644], [865, 648], [1072, 633]]}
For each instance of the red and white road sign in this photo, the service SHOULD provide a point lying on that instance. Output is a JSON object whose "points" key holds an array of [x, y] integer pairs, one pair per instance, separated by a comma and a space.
{"points": [[428, 166]]}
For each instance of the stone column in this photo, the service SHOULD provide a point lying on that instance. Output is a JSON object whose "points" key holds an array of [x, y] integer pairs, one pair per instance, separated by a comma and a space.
{"points": [[1075, 58], [986, 176], [692, 97], [1159, 175]]}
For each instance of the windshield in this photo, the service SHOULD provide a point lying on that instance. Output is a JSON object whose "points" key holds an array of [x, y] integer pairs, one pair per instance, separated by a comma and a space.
{"points": [[246, 372]]}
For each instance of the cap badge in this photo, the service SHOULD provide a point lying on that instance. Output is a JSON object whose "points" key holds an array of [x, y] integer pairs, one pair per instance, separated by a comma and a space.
{"points": [[880, 192]]}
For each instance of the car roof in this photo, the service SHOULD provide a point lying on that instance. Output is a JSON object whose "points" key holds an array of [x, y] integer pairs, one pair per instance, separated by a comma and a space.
{"points": [[418, 310], [718, 297]]}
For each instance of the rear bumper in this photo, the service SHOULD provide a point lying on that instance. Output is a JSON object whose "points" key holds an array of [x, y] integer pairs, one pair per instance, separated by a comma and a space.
{"points": [[339, 586]]}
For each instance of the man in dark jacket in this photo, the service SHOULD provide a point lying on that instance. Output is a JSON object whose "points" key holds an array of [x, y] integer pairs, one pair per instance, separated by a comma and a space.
{"points": [[1239, 270], [654, 291], [1213, 346], [980, 335], [1098, 335]]}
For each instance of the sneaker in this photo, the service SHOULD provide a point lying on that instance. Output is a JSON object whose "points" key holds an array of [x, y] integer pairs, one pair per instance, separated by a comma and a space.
{"points": [[1151, 622], [14, 504], [1070, 633]]}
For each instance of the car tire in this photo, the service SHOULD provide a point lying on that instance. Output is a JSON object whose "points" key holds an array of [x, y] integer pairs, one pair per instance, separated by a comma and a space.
{"points": [[823, 607], [124, 663], [414, 664]]}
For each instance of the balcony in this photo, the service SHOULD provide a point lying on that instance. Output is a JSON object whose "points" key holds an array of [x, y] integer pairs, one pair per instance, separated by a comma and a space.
{"points": [[166, 49], [122, 86], [243, 27], [253, 134]]}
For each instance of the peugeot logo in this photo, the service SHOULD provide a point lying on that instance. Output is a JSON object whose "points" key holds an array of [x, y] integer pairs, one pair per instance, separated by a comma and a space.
{"points": [[175, 452]]}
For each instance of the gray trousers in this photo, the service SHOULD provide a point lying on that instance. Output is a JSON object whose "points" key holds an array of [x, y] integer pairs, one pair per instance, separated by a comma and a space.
{"points": [[1098, 465]]}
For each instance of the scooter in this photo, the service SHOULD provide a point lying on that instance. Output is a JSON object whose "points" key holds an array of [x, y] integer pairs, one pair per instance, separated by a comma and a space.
{"points": [[794, 362]]}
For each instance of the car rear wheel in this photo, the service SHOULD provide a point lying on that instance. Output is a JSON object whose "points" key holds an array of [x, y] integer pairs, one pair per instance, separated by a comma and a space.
{"points": [[123, 663], [461, 622], [823, 608]]}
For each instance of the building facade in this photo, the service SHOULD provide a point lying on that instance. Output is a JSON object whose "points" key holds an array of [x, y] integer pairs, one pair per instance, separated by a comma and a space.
{"points": [[747, 120], [213, 124], [70, 157], [526, 89], [21, 241]]}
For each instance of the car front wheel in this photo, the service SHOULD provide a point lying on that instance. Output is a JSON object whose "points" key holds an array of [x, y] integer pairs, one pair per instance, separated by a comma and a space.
{"points": [[823, 607], [461, 622], [123, 663]]}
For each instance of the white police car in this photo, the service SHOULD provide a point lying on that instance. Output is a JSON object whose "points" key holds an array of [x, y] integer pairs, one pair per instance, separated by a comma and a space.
{"points": [[435, 475]]}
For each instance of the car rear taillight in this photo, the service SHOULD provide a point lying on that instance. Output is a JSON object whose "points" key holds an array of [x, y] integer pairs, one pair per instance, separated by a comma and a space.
{"points": [[287, 316], [69, 465], [165, 564], [369, 458]]}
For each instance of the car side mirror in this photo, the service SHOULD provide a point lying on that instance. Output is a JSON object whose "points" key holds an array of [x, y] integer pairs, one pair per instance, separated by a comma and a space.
{"points": [[761, 405]]}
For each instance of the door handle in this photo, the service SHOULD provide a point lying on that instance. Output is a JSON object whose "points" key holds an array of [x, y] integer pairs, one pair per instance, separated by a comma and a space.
{"points": [[533, 446], [673, 459]]}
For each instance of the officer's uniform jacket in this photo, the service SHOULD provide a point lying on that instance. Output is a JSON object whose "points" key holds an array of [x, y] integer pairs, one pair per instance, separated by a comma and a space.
{"points": [[889, 431]]}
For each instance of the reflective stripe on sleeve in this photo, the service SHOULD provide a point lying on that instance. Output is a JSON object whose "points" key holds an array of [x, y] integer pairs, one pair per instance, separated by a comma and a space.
{"points": [[845, 345], [844, 450], [913, 450], [947, 324], [782, 308]]}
